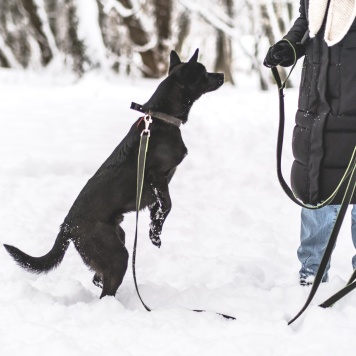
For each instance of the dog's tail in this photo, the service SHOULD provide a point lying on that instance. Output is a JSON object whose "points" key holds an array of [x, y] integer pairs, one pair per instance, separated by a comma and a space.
{"points": [[45, 263]]}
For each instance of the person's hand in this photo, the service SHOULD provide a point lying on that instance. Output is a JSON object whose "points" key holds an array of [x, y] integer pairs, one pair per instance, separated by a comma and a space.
{"points": [[282, 53]]}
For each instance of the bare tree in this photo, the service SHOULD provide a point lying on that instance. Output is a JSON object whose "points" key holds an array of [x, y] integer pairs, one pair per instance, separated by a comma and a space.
{"points": [[224, 58], [36, 27], [74, 46], [136, 36], [163, 15], [275, 33], [13, 34], [183, 25], [140, 37]]}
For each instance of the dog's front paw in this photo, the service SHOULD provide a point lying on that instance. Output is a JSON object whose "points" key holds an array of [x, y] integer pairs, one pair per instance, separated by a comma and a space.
{"points": [[154, 236], [98, 281]]}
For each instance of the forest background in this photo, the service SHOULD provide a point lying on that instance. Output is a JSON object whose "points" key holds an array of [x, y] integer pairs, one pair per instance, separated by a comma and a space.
{"points": [[134, 37]]}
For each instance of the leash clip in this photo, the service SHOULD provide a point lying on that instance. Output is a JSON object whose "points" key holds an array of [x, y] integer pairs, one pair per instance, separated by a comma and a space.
{"points": [[148, 120]]}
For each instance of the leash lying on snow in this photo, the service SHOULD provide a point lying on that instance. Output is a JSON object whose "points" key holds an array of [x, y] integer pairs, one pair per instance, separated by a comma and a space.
{"points": [[141, 163], [349, 174]]}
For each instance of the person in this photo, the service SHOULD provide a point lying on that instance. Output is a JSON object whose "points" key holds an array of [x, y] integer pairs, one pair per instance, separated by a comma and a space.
{"points": [[324, 136]]}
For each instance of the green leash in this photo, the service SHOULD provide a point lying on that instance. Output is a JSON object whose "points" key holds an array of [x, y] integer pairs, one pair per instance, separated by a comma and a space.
{"points": [[349, 175], [141, 164], [329, 249], [281, 179]]}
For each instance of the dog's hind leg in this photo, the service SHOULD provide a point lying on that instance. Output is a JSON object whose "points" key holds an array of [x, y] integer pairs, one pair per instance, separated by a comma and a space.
{"points": [[116, 264], [97, 280], [106, 254]]}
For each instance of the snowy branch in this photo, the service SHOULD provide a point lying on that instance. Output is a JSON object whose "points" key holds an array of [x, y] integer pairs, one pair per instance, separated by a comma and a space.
{"points": [[123, 11], [217, 19]]}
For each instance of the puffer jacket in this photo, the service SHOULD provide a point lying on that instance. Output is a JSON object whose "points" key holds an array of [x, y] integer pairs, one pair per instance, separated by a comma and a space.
{"points": [[324, 136]]}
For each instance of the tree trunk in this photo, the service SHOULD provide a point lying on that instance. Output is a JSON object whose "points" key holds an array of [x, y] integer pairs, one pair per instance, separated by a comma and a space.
{"points": [[163, 14], [14, 32], [268, 30], [141, 38], [109, 24], [3, 60], [223, 61], [224, 56], [278, 10], [266, 24], [38, 33], [73, 45], [183, 30]]}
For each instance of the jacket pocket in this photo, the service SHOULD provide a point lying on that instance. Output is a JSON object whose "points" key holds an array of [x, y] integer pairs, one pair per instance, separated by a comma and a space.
{"points": [[307, 91]]}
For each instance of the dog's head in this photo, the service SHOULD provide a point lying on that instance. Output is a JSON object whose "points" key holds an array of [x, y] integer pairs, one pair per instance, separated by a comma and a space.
{"points": [[186, 82], [192, 76]]}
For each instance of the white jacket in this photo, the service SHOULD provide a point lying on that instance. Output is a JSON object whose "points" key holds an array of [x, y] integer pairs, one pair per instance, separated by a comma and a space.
{"points": [[341, 15]]}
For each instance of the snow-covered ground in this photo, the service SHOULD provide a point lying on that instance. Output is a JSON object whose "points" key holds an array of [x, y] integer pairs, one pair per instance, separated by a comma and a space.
{"points": [[229, 244]]}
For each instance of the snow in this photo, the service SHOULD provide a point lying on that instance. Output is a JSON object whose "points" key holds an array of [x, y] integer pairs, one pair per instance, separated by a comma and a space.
{"points": [[228, 245]]}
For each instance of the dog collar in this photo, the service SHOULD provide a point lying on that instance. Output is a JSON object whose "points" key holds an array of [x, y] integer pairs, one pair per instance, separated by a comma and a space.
{"points": [[159, 115]]}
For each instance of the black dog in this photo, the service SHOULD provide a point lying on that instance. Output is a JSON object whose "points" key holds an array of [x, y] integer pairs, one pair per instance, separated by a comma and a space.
{"points": [[93, 222]]}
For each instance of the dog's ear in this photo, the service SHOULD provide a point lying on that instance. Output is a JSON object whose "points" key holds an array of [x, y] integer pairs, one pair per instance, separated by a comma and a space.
{"points": [[174, 60], [194, 58]]}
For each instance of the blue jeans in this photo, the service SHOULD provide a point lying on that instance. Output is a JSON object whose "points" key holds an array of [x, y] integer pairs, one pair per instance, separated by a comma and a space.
{"points": [[314, 235]]}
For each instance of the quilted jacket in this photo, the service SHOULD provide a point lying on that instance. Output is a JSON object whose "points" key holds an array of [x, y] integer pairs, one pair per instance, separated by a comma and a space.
{"points": [[324, 136]]}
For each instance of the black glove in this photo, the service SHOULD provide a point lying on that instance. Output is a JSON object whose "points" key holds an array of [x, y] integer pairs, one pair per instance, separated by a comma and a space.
{"points": [[282, 53]]}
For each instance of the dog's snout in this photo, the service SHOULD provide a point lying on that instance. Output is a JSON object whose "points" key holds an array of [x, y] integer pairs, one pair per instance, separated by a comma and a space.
{"points": [[216, 80], [221, 78]]}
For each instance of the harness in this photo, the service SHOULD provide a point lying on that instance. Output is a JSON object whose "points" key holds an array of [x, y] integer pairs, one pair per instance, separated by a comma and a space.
{"points": [[141, 163]]}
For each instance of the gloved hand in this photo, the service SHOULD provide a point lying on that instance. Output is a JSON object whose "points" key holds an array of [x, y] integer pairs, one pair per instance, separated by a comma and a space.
{"points": [[282, 53]]}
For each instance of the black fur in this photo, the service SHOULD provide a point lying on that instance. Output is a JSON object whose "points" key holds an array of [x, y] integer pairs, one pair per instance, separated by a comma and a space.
{"points": [[93, 222]]}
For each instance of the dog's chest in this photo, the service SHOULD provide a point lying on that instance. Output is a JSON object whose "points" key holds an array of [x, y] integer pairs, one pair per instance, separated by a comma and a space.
{"points": [[168, 146], [182, 151]]}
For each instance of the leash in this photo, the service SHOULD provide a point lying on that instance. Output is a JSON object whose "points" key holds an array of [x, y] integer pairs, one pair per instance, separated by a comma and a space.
{"points": [[351, 284], [349, 173], [141, 164], [280, 138], [329, 249]]}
